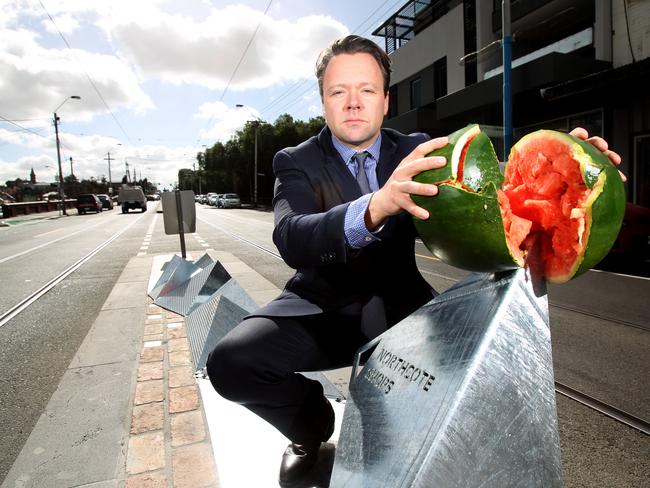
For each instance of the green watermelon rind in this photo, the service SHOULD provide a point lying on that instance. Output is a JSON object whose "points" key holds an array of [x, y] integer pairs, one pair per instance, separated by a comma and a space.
{"points": [[605, 205], [481, 165], [446, 172], [480, 246]]}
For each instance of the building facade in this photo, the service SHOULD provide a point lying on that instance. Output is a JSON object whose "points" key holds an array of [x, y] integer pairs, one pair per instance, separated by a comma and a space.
{"points": [[574, 63]]}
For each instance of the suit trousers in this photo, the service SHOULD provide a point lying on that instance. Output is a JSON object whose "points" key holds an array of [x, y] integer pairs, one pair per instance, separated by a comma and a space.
{"points": [[257, 363]]}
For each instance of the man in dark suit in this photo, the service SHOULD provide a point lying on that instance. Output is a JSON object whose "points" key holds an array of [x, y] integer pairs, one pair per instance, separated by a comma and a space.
{"points": [[342, 227], [343, 220]]}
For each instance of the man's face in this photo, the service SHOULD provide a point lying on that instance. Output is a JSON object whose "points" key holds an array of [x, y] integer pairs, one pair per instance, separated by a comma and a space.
{"points": [[354, 103]]}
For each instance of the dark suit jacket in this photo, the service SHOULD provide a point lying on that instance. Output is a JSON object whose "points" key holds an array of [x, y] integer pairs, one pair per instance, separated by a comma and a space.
{"points": [[313, 189]]}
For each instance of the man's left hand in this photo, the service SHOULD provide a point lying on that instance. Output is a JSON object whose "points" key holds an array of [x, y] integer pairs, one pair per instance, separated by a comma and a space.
{"points": [[600, 144]]}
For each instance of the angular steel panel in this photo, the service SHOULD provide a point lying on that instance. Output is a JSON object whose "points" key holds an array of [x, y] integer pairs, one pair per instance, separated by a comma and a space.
{"points": [[168, 268], [459, 394], [181, 273], [200, 287], [208, 324]]}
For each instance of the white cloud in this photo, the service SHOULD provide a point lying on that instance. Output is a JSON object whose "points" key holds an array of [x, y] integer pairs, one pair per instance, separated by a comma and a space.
{"points": [[64, 23], [182, 50], [35, 80], [223, 121]]}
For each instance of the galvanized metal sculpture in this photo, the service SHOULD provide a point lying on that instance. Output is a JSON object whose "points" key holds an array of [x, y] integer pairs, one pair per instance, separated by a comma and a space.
{"points": [[459, 394]]}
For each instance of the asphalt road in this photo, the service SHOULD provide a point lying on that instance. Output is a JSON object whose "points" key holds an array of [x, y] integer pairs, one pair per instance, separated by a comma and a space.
{"points": [[599, 325]]}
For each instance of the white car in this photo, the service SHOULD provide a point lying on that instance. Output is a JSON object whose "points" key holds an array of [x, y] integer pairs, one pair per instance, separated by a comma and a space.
{"points": [[212, 199], [229, 200]]}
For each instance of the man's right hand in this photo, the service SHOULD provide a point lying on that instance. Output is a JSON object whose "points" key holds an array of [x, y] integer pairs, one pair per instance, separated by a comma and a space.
{"points": [[395, 195]]}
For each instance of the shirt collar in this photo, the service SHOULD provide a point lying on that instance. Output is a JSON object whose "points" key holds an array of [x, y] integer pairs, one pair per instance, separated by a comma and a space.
{"points": [[347, 152]]}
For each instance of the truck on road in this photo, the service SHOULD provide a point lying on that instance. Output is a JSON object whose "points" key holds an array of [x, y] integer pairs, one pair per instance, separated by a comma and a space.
{"points": [[132, 197]]}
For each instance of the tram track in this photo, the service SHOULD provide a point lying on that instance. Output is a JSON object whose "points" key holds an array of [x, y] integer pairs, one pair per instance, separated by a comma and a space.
{"points": [[9, 314], [588, 401]]}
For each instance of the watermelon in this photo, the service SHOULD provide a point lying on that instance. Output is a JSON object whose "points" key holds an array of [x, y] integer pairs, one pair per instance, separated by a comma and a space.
{"points": [[559, 193]]}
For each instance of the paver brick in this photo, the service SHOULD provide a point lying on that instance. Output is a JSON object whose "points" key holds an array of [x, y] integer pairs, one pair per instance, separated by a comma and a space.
{"points": [[176, 333], [147, 480], [149, 391], [179, 358], [175, 319], [183, 399], [146, 453], [181, 376], [175, 345], [187, 428], [148, 417], [150, 371], [192, 466], [150, 354], [153, 337], [153, 329]]}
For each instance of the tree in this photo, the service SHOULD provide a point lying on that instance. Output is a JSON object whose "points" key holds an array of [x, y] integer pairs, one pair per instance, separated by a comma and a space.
{"points": [[229, 167]]}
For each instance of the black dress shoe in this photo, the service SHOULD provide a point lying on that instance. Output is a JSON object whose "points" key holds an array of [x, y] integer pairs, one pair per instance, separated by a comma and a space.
{"points": [[297, 460]]}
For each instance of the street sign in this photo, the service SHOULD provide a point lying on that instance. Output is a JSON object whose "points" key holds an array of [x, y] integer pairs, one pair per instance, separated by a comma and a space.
{"points": [[170, 212]]}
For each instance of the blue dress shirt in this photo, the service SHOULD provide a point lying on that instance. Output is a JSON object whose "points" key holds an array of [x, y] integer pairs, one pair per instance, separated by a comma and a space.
{"points": [[356, 232]]}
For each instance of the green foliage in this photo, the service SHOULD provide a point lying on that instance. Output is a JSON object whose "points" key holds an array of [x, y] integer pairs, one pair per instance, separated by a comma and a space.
{"points": [[228, 167]]}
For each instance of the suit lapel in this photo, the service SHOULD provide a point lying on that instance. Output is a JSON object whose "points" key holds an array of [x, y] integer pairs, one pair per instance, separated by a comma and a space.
{"points": [[387, 163], [345, 184]]}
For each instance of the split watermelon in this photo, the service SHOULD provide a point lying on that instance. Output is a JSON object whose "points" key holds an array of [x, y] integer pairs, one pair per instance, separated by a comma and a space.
{"points": [[558, 192]]}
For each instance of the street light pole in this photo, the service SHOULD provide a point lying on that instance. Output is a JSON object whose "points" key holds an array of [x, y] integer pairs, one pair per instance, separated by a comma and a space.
{"points": [[257, 128], [257, 122], [58, 151]]}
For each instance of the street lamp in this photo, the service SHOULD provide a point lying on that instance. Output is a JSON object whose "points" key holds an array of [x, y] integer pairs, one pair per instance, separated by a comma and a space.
{"points": [[58, 150], [257, 121]]}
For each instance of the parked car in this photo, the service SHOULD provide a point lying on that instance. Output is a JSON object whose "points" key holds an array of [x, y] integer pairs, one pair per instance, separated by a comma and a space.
{"points": [[212, 199], [88, 202], [229, 200], [106, 201]]}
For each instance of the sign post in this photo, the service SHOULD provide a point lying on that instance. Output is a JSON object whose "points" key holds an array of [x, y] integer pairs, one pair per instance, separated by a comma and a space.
{"points": [[179, 214]]}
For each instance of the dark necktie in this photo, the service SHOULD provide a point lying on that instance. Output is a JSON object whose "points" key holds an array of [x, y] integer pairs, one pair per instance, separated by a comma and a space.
{"points": [[362, 178]]}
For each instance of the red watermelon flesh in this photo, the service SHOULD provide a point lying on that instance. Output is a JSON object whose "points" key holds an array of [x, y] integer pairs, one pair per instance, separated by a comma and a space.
{"points": [[543, 197]]}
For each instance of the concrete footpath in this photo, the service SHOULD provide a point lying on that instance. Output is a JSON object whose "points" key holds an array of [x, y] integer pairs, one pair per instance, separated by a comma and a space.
{"points": [[128, 411]]}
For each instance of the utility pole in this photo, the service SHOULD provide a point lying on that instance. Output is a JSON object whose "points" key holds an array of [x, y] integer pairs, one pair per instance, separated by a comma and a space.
{"points": [[71, 170], [128, 173], [58, 151], [58, 156], [110, 184]]}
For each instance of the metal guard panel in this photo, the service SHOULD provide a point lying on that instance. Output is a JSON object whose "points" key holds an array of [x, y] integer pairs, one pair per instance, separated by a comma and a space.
{"points": [[459, 394]]}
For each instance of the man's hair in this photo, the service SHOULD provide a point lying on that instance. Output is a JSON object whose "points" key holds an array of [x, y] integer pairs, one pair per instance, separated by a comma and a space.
{"points": [[353, 44]]}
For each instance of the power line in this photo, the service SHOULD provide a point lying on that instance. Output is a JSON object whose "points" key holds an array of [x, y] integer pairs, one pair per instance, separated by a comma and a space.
{"points": [[108, 109], [21, 127], [243, 55], [291, 91], [241, 58]]}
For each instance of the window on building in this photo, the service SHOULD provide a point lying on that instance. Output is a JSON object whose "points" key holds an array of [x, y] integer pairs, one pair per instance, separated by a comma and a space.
{"points": [[440, 77], [416, 98], [392, 102]]}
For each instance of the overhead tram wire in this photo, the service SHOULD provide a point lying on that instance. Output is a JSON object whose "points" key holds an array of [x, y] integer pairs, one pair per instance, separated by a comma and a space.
{"points": [[241, 59], [90, 80], [290, 92]]}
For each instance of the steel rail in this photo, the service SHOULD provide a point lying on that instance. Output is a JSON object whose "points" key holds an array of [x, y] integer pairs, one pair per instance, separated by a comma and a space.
{"points": [[582, 398], [26, 302], [604, 408]]}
